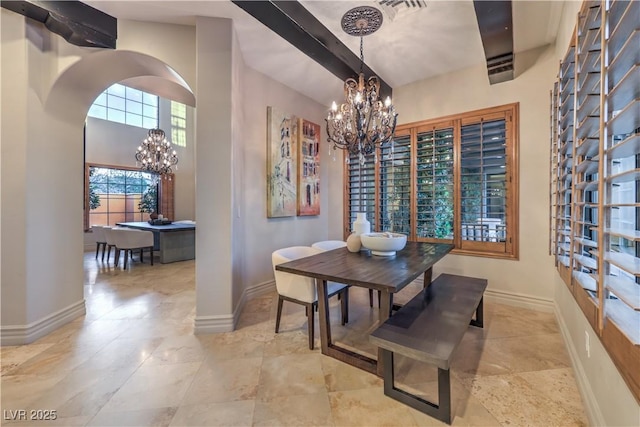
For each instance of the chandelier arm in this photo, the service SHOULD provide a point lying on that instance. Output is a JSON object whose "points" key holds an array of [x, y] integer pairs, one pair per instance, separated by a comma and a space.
{"points": [[155, 154]]}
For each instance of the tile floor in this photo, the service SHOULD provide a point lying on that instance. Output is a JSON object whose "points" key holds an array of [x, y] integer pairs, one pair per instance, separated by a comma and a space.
{"points": [[133, 360]]}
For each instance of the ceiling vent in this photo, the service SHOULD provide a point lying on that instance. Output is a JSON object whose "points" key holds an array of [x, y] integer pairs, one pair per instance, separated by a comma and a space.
{"points": [[395, 9]]}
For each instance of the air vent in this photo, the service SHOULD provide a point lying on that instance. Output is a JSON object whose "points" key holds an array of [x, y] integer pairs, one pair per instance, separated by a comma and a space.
{"points": [[395, 9]]}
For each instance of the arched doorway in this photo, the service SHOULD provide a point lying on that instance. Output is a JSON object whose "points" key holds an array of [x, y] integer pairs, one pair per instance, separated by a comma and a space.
{"points": [[44, 287]]}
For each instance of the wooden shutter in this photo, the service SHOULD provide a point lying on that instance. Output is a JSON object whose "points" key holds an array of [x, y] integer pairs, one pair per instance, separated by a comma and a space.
{"points": [[361, 190], [621, 171], [586, 161], [566, 95], [483, 184], [554, 156], [434, 183], [394, 185], [166, 196]]}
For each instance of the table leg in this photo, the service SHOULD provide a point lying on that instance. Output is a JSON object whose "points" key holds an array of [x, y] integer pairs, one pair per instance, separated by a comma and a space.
{"points": [[427, 277], [323, 308], [383, 315]]}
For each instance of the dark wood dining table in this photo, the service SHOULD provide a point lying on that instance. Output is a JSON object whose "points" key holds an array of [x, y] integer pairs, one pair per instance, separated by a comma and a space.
{"points": [[385, 274]]}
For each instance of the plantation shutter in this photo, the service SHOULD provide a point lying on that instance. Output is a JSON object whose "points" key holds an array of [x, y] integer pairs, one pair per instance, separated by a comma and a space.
{"points": [[483, 180], [621, 234], [566, 114], [584, 176], [361, 190], [434, 183], [395, 185], [166, 196]]}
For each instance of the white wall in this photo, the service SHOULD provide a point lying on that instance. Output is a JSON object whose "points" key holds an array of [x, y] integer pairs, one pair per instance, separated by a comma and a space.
{"points": [[41, 284], [13, 158], [214, 173], [264, 235], [531, 276], [238, 124]]}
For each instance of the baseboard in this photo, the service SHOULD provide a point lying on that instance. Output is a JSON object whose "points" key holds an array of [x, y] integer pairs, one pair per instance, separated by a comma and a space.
{"points": [[227, 323], [259, 290], [213, 324], [26, 334], [520, 300], [591, 403], [250, 293]]}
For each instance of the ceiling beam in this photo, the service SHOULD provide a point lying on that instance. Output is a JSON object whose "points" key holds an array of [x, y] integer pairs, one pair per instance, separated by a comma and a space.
{"points": [[76, 22], [496, 30], [291, 21]]}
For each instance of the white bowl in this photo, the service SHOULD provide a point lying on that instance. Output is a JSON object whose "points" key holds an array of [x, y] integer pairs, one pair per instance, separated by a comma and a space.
{"points": [[383, 244]]}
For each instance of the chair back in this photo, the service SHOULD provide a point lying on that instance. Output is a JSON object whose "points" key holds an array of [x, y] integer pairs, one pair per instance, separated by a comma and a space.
{"points": [[328, 245], [292, 285], [128, 238], [98, 233], [108, 235]]}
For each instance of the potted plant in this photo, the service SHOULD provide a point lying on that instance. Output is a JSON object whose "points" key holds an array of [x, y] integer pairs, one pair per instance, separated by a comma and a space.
{"points": [[149, 201]]}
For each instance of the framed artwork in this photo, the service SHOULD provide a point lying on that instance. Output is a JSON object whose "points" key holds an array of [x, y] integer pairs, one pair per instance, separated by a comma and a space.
{"points": [[308, 168], [282, 150]]}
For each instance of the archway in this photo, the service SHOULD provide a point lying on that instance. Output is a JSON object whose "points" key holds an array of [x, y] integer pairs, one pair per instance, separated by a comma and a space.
{"points": [[75, 89], [51, 294]]}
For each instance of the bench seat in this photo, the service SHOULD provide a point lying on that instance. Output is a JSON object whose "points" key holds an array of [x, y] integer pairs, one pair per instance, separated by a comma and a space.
{"points": [[429, 328]]}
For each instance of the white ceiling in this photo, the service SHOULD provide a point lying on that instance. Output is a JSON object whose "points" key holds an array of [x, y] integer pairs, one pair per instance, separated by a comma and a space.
{"points": [[411, 46]]}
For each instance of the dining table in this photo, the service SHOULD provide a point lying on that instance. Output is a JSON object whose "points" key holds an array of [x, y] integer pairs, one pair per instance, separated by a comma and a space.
{"points": [[174, 241], [387, 274]]}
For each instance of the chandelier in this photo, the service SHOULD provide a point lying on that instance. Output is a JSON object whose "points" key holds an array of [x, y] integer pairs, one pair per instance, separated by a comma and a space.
{"points": [[363, 122], [155, 154]]}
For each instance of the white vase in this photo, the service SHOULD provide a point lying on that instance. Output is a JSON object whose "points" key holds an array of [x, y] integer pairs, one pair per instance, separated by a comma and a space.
{"points": [[361, 225]]}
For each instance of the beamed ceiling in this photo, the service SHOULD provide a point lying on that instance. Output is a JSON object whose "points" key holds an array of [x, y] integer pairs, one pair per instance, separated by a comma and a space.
{"points": [[302, 45]]}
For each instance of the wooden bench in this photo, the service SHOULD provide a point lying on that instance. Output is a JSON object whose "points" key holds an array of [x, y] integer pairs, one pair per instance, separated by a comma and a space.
{"points": [[429, 328]]}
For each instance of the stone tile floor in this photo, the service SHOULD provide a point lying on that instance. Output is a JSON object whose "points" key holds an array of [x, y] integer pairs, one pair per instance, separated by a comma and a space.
{"points": [[133, 360]]}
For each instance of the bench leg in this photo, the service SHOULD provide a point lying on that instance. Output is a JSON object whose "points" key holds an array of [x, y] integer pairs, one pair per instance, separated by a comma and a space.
{"points": [[478, 321], [441, 411]]}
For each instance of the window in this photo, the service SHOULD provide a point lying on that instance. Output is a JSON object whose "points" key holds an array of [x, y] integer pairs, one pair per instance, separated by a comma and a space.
{"points": [[119, 195], [448, 180], [178, 124], [595, 164], [126, 105]]}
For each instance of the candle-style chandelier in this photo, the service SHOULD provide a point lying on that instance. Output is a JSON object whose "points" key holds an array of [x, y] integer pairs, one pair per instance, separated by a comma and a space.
{"points": [[363, 121], [155, 154]]}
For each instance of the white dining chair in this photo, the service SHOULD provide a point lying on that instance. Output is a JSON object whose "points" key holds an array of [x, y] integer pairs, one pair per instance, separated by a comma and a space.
{"points": [[101, 240], [302, 290], [128, 240], [185, 221], [110, 239], [329, 245]]}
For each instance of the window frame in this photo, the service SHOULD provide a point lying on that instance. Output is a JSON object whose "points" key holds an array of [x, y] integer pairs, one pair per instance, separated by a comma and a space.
{"points": [[166, 191], [88, 166], [113, 93], [507, 250]]}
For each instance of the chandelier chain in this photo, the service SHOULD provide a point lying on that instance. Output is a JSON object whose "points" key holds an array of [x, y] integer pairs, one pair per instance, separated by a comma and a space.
{"points": [[361, 53]]}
